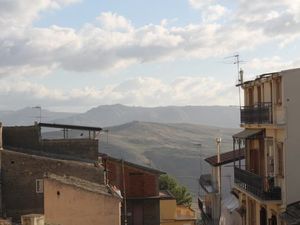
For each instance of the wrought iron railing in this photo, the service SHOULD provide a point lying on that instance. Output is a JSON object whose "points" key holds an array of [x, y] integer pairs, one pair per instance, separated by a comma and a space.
{"points": [[256, 185], [260, 113]]}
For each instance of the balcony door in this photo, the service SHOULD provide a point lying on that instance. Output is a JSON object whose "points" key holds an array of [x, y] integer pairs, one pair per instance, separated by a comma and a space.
{"points": [[263, 216], [254, 161]]}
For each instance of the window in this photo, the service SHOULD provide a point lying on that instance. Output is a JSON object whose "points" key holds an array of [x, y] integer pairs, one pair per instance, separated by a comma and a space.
{"points": [[39, 186], [280, 158]]}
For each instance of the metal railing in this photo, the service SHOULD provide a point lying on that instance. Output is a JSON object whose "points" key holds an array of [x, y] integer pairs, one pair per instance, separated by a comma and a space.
{"points": [[260, 113], [256, 185]]}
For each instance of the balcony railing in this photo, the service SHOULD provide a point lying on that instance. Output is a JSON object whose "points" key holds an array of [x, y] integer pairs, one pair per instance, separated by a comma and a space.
{"points": [[256, 185], [260, 113]]}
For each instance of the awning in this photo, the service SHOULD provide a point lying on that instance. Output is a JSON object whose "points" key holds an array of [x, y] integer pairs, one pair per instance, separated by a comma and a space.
{"points": [[292, 214], [248, 133], [231, 203], [227, 157]]}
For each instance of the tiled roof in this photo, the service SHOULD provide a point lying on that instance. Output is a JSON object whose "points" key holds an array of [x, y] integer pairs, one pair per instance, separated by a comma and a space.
{"points": [[83, 184]]}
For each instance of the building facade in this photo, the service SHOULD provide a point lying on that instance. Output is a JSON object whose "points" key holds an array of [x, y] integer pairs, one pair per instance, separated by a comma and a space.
{"points": [[268, 181], [26, 158], [73, 201], [139, 186]]}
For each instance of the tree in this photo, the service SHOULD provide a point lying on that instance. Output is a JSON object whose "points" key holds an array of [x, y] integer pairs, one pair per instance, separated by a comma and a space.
{"points": [[182, 195]]}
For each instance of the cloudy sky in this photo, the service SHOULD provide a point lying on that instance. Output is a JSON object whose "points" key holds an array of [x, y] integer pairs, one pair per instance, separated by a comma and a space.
{"points": [[70, 55]]}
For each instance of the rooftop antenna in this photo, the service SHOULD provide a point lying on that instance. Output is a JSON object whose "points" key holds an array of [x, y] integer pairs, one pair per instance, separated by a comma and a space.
{"points": [[240, 72]]}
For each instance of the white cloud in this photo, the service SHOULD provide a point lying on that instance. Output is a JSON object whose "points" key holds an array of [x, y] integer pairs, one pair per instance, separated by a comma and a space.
{"points": [[20, 13], [114, 42], [113, 21], [269, 64], [139, 91]]}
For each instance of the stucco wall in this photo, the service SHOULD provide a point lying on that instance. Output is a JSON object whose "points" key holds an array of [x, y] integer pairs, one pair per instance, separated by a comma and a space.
{"points": [[291, 101], [19, 174], [167, 209], [68, 205]]}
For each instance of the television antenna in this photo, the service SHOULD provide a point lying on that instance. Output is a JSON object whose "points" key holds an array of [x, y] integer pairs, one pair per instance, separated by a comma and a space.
{"points": [[240, 73]]}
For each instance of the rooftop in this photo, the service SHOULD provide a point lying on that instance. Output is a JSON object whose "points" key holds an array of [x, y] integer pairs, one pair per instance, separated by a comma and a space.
{"points": [[83, 184], [148, 169], [67, 126]]}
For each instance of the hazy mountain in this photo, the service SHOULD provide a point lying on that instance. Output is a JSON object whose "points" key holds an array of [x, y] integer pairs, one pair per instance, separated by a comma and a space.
{"points": [[111, 115], [27, 116]]}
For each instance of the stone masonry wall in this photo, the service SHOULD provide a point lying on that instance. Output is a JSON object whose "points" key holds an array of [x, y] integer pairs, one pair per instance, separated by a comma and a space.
{"points": [[19, 174]]}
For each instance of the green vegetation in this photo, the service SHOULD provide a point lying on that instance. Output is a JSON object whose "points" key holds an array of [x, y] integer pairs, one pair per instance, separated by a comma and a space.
{"points": [[183, 197]]}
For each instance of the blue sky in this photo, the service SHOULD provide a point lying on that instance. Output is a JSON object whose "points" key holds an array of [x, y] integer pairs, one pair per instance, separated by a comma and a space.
{"points": [[71, 55]]}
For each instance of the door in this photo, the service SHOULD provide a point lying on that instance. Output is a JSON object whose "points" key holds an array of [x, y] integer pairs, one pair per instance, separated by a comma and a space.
{"points": [[138, 213], [254, 161], [263, 216]]}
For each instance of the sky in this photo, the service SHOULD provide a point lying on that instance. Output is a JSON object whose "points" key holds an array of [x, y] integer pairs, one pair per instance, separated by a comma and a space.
{"points": [[71, 55]]}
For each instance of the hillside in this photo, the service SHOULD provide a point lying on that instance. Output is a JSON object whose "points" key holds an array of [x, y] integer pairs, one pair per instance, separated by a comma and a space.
{"points": [[173, 148]]}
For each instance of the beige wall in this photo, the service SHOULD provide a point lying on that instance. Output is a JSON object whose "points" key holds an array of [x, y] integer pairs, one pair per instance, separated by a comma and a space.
{"points": [[167, 209], [291, 102], [171, 214], [75, 206]]}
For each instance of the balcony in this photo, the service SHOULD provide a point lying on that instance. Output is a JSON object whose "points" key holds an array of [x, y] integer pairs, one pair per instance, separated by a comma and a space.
{"points": [[260, 113], [257, 185]]}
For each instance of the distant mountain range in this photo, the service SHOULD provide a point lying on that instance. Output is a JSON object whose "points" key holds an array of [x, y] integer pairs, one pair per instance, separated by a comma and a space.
{"points": [[112, 115], [167, 138]]}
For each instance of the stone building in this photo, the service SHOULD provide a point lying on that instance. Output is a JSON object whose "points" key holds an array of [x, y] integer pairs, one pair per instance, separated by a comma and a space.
{"points": [[27, 156]]}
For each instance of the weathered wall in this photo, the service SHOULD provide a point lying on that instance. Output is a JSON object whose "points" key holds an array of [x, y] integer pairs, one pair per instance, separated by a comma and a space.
{"points": [[28, 138], [138, 182], [77, 148], [74, 206], [1, 136], [21, 137], [19, 174], [291, 101]]}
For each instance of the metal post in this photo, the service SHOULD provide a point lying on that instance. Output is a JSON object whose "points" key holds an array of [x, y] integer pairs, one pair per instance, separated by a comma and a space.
{"points": [[124, 193], [218, 141]]}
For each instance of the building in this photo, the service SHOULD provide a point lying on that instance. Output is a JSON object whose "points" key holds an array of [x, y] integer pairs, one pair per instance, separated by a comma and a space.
{"points": [[212, 205], [27, 156], [268, 183], [73, 201], [173, 214], [139, 186]]}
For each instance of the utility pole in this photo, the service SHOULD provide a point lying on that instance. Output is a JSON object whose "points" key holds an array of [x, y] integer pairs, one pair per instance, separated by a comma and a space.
{"points": [[218, 141], [124, 193]]}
